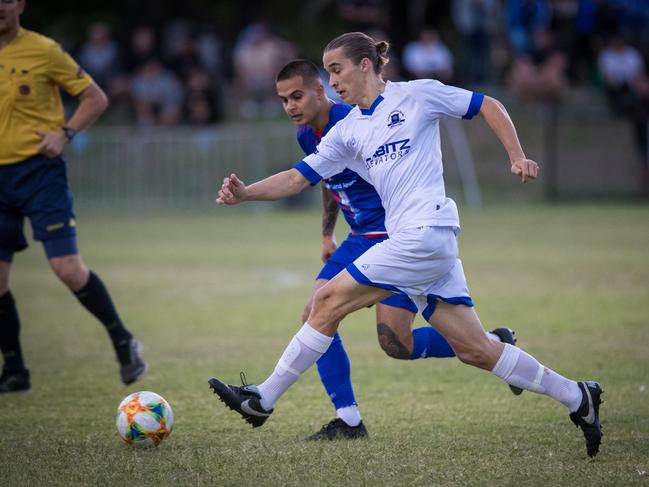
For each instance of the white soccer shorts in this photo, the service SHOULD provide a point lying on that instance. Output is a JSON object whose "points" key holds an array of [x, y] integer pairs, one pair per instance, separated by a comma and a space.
{"points": [[420, 262]]}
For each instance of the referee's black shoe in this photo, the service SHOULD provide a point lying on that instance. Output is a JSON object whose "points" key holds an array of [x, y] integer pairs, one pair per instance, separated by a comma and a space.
{"points": [[245, 400], [337, 429], [507, 335], [132, 365], [587, 416], [15, 381]]}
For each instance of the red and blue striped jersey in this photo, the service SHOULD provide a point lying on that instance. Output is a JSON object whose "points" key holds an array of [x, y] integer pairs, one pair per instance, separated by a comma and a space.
{"points": [[356, 198]]}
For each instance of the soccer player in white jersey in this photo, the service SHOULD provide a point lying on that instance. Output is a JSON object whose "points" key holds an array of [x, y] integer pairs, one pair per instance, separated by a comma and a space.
{"points": [[391, 139], [303, 98]]}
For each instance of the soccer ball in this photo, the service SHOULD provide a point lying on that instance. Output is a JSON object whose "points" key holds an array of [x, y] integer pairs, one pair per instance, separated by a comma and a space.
{"points": [[144, 419]]}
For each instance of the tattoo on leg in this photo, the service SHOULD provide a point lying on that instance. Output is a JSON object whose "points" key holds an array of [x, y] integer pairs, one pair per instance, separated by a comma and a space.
{"points": [[390, 342]]}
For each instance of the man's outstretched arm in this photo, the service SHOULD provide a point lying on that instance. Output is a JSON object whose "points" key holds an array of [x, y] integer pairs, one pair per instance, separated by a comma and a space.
{"points": [[275, 187], [498, 119]]}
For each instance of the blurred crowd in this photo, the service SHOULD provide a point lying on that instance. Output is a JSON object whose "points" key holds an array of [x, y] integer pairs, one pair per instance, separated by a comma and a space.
{"points": [[182, 73]]}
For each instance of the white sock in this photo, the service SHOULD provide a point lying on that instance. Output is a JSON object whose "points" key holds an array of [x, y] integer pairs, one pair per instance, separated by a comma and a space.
{"points": [[519, 368], [493, 338], [306, 347], [350, 415]]}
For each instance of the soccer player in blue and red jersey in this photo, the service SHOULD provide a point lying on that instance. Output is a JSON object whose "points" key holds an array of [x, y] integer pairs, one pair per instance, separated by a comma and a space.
{"points": [[303, 98], [34, 184]]}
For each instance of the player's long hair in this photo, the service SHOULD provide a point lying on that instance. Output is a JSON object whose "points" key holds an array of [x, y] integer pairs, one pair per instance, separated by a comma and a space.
{"points": [[357, 46]]}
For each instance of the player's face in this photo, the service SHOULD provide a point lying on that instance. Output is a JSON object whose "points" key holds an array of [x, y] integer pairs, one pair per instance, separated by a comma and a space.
{"points": [[302, 102], [345, 77], [10, 11]]}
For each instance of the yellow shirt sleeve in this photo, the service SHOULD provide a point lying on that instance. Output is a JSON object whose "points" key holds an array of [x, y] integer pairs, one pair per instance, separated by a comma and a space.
{"points": [[66, 73]]}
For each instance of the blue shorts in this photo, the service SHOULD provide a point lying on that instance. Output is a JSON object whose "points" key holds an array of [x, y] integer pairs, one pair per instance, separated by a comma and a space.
{"points": [[36, 188], [353, 247]]}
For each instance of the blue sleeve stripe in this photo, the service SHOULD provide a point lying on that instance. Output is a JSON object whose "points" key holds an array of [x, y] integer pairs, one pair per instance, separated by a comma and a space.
{"points": [[313, 177], [474, 106]]}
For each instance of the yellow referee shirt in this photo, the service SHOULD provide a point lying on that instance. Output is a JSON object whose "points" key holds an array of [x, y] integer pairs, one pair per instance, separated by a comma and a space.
{"points": [[32, 68]]}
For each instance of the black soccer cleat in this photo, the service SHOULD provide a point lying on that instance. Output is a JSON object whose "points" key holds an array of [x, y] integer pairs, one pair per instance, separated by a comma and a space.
{"points": [[245, 400], [587, 416], [508, 335], [15, 381], [132, 365], [337, 429]]}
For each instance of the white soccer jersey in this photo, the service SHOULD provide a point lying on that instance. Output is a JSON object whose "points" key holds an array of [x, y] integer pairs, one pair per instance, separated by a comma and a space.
{"points": [[395, 145]]}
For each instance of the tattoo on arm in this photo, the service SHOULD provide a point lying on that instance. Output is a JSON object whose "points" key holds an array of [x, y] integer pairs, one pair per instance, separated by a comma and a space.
{"points": [[329, 212], [390, 342]]}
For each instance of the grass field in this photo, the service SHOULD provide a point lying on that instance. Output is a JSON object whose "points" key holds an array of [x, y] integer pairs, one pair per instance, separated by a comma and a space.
{"points": [[217, 293]]}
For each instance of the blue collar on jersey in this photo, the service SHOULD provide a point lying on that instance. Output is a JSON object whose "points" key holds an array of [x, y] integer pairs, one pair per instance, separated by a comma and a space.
{"points": [[370, 110]]}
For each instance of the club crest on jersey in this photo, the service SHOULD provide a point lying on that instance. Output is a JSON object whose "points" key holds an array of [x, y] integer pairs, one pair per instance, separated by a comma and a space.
{"points": [[396, 118]]}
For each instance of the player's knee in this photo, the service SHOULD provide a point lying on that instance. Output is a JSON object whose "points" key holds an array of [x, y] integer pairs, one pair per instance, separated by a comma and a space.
{"points": [[306, 312], [474, 355], [324, 303], [72, 275], [391, 343]]}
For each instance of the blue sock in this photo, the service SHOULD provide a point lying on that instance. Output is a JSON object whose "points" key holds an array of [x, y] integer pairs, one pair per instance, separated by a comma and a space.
{"points": [[428, 342], [335, 374]]}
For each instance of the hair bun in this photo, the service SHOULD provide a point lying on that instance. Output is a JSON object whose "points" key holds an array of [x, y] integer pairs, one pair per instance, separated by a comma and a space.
{"points": [[382, 47]]}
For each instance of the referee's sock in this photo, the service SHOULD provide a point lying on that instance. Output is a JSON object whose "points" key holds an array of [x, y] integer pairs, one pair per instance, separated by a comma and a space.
{"points": [[9, 333], [95, 298]]}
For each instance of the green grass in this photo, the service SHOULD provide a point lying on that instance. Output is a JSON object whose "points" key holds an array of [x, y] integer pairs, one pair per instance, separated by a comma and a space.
{"points": [[217, 293]]}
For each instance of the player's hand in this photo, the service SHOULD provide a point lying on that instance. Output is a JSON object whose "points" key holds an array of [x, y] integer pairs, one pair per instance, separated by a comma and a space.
{"points": [[526, 169], [329, 246], [52, 143], [232, 191]]}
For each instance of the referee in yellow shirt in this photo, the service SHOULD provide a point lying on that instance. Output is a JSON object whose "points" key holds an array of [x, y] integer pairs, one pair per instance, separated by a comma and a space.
{"points": [[34, 185]]}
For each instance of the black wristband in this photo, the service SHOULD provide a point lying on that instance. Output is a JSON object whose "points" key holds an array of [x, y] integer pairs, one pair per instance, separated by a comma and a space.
{"points": [[69, 133]]}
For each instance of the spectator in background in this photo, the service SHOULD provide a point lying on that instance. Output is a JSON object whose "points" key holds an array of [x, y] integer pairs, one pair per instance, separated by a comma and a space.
{"points": [[157, 95], [474, 20], [99, 55], [523, 18], [627, 86], [201, 99], [362, 15], [184, 57], [258, 56], [539, 76], [201, 104], [582, 56], [634, 22], [428, 57], [143, 46]]}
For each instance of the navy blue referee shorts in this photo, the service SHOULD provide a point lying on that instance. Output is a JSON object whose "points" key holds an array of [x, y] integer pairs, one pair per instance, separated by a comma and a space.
{"points": [[353, 247], [36, 188]]}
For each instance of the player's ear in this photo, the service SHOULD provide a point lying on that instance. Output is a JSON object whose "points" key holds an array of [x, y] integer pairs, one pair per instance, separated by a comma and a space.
{"points": [[320, 91], [366, 64]]}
